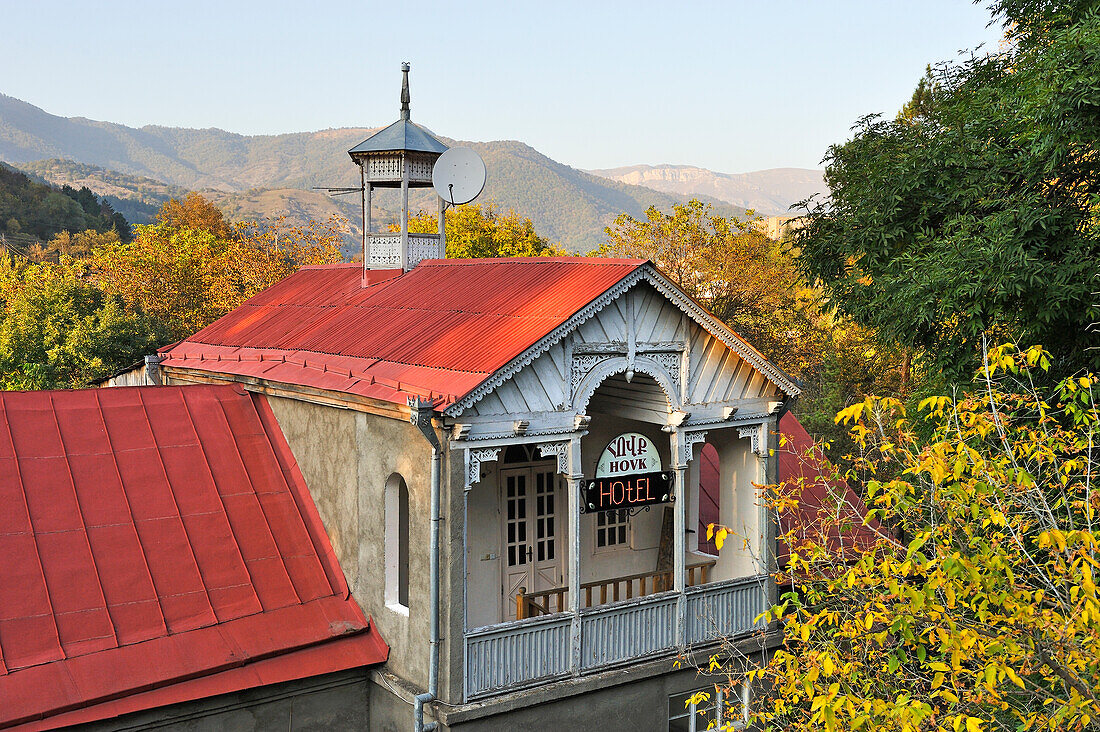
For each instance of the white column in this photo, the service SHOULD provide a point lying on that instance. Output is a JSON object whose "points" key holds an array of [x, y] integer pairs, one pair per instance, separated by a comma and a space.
{"points": [[576, 481], [679, 509], [366, 213]]}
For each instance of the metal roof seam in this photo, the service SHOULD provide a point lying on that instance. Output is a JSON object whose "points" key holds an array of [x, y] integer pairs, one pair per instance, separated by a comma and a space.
{"points": [[221, 500], [297, 505], [83, 522], [252, 485], [175, 501], [129, 505], [307, 510], [30, 523]]}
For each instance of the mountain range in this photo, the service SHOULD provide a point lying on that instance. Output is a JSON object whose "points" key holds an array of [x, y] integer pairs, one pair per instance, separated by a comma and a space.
{"points": [[767, 192], [253, 176]]}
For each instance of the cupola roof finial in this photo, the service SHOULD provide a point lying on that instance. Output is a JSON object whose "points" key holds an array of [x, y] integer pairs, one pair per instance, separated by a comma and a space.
{"points": [[405, 90]]}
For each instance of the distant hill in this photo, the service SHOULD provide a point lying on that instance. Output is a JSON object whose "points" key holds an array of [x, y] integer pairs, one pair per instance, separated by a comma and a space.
{"points": [[768, 192], [135, 197], [34, 211], [567, 205]]}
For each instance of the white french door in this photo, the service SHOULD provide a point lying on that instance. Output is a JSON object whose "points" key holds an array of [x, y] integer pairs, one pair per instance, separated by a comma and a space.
{"points": [[530, 502]]}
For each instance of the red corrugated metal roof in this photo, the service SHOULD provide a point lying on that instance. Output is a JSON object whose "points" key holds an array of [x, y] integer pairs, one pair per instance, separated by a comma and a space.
{"points": [[151, 535], [436, 331]]}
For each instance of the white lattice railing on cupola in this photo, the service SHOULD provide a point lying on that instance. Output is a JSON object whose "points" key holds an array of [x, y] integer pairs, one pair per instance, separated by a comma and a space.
{"points": [[385, 250], [386, 168]]}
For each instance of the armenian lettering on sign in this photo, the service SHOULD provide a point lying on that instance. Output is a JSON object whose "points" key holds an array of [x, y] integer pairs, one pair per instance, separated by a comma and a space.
{"points": [[628, 475]]}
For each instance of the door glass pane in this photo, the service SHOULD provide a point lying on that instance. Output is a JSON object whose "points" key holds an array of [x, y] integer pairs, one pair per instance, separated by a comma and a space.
{"points": [[516, 519]]}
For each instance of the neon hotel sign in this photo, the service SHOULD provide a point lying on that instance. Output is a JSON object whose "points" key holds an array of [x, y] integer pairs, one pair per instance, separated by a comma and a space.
{"points": [[628, 475]]}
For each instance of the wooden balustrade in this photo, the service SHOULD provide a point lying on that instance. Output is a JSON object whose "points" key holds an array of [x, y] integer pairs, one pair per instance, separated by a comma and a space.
{"points": [[546, 602]]}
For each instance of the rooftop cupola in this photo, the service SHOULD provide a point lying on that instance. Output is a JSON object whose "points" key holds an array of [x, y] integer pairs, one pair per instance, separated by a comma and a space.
{"points": [[399, 156]]}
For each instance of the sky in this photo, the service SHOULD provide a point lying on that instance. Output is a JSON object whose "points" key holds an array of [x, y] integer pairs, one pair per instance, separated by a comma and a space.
{"points": [[730, 86]]}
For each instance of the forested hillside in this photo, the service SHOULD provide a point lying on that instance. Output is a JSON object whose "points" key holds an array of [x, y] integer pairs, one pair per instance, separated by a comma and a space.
{"points": [[135, 197], [32, 210]]}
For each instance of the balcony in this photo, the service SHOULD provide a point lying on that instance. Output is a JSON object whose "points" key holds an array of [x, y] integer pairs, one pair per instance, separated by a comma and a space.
{"points": [[515, 655]]}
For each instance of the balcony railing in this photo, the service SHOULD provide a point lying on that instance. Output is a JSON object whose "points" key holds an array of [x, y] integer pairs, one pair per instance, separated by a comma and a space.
{"points": [[546, 602], [523, 653]]}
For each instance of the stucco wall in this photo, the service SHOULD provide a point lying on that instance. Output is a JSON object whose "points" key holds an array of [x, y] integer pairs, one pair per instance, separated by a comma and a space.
{"points": [[346, 458]]}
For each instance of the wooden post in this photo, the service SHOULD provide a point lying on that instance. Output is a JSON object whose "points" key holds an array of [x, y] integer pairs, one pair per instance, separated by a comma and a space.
{"points": [[576, 478], [679, 511]]}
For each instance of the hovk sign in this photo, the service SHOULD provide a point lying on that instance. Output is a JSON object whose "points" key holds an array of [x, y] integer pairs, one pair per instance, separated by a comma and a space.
{"points": [[628, 475]]}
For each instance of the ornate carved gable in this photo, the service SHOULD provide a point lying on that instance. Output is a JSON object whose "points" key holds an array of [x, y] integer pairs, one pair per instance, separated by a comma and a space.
{"points": [[638, 330]]}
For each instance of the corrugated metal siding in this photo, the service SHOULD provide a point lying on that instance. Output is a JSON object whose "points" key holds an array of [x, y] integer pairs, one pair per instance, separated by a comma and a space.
{"points": [[725, 610], [515, 656], [612, 635]]}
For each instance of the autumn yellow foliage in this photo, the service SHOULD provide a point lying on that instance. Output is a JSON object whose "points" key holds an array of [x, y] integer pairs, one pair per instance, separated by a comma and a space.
{"points": [[974, 606]]}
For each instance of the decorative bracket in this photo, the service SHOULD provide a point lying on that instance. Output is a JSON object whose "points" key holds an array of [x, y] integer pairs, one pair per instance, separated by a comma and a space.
{"points": [[474, 459], [688, 443], [561, 450], [420, 412], [755, 433]]}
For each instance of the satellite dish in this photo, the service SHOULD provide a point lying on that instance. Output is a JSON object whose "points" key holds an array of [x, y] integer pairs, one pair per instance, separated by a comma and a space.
{"points": [[458, 176]]}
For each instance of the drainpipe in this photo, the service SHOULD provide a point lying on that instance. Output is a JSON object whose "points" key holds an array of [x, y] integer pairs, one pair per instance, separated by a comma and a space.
{"points": [[422, 418]]}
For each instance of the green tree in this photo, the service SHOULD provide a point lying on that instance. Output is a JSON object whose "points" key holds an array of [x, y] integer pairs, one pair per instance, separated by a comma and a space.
{"points": [[742, 276], [978, 215], [192, 267], [474, 232], [920, 105], [59, 330]]}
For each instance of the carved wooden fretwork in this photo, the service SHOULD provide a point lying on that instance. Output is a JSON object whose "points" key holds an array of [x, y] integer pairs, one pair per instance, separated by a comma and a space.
{"points": [[688, 443], [561, 450], [580, 367], [666, 288], [474, 459], [671, 362], [583, 364], [755, 433]]}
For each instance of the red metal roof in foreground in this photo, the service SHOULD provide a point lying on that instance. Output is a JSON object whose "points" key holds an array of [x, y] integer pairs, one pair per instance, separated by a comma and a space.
{"points": [[436, 331], [158, 544]]}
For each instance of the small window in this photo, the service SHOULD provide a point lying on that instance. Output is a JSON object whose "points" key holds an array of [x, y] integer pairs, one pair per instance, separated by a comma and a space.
{"points": [[611, 528], [397, 544], [714, 708]]}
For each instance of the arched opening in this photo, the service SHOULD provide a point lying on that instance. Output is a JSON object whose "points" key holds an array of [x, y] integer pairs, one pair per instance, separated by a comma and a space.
{"points": [[396, 549], [636, 543]]}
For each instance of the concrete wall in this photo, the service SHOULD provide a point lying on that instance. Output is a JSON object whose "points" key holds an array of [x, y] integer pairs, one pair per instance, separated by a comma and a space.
{"points": [[330, 702]]}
